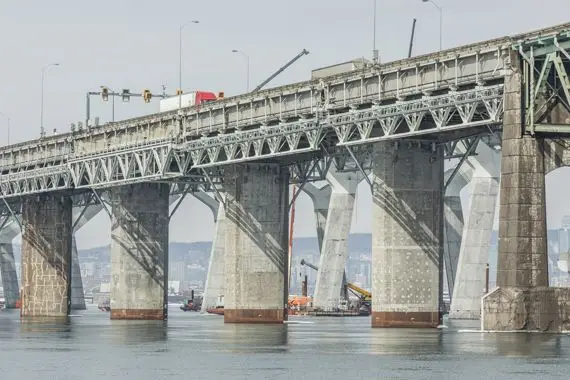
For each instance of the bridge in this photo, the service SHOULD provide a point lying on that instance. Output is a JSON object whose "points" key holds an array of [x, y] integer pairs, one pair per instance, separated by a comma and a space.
{"points": [[392, 124]]}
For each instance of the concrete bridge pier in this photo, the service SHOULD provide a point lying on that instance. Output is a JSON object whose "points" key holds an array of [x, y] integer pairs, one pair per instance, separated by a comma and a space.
{"points": [[453, 225], [334, 249], [256, 283], [522, 299], [407, 235], [474, 252], [214, 287], [139, 251], [8, 264], [77, 293], [321, 199], [46, 255]]}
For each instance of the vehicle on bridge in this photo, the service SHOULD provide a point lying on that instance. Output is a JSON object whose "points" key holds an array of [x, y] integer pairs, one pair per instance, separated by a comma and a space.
{"points": [[188, 100]]}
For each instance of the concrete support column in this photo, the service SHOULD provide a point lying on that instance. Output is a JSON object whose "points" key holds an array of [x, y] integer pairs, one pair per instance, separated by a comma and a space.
{"points": [[522, 300], [46, 255], [139, 251], [321, 199], [215, 277], [474, 253], [407, 235], [452, 231], [256, 283], [8, 264], [334, 251], [77, 292]]}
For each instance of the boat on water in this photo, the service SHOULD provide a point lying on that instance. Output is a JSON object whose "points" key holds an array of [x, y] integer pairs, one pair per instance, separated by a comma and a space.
{"points": [[219, 308], [104, 306]]}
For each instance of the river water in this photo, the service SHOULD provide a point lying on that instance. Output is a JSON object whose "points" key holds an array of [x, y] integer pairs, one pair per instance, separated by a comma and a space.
{"points": [[195, 346]]}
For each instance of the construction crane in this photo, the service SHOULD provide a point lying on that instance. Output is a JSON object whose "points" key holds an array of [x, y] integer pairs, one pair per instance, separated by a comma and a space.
{"points": [[344, 286], [412, 39], [302, 53]]}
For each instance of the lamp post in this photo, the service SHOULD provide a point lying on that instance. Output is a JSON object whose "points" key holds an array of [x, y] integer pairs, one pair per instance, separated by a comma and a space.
{"points": [[440, 9], [180, 62], [247, 65], [44, 69], [374, 49], [7, 118]]}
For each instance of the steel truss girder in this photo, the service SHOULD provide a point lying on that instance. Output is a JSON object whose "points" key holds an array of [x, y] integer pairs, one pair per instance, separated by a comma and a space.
{"points": [[545, 81]]}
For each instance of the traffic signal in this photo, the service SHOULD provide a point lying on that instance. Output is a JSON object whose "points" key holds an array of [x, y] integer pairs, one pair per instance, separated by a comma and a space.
{"points": [[126, 95], [105, 93], [146, 95], [179, 91], [220, 95]]}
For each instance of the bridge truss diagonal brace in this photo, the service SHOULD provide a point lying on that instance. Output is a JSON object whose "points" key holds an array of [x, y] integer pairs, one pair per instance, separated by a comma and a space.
{"points": [[545, 82]]}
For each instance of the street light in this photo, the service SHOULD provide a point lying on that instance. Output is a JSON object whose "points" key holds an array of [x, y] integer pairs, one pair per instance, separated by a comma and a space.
{"points": [[180, 62], [247, 63], [440, 21], [7, 118], [44, 69]]}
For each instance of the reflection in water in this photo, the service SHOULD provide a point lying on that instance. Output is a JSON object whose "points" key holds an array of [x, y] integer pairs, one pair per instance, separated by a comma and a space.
{"points": [[138, 332], [239, 337], [406, 341], [61, 326]]}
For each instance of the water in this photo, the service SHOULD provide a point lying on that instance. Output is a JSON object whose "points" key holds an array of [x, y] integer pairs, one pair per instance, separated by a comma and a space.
{"points": [[194, 346]]}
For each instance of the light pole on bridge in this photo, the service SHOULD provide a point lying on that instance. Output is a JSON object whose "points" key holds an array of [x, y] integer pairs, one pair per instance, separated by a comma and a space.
{"points": [[440, 9], [44, 69], [7, 118], [180, 62], [247, 65]]}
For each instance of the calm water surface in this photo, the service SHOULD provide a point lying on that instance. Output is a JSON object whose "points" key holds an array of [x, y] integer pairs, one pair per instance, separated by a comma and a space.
{"points": [[194, 346]]}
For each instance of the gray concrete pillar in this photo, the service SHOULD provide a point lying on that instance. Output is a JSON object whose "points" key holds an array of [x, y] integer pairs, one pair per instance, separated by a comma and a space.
{"points": [[453, 228], [407, 235], [77, 292], [46, 255], [474, 253], [214, 288], [8, 264], [256, 283], [522, 300], [321, 199], [139, 251], [334, 251]]}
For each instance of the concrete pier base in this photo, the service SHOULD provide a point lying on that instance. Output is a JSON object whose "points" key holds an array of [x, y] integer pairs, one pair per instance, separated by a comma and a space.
{"points": [[535, 309], [407, 235], [334, 250], [139, 251], [215, 282], [8, 264], [46, 256], [255, 270]]}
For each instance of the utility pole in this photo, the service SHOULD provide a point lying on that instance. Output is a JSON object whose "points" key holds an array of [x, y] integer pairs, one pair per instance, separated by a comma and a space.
{"points": [[42, 130], [180, 62]]}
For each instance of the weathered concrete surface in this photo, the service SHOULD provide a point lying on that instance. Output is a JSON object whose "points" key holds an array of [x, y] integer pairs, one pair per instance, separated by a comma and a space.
{"points": [[334, 251], [139, 251], [77, 292], [46, 255], [407, 236], [8, 265], [453, 223], [476, 242], [256, 283], [214, 287], [534, 309], [321, 199], [523, 301]]}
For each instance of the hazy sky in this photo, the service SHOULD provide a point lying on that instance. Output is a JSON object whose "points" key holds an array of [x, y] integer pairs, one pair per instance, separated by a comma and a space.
{"points": [[134, 44]]}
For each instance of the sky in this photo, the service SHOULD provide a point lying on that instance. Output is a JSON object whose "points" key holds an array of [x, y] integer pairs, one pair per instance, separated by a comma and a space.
{"points": [[135, 45]]}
